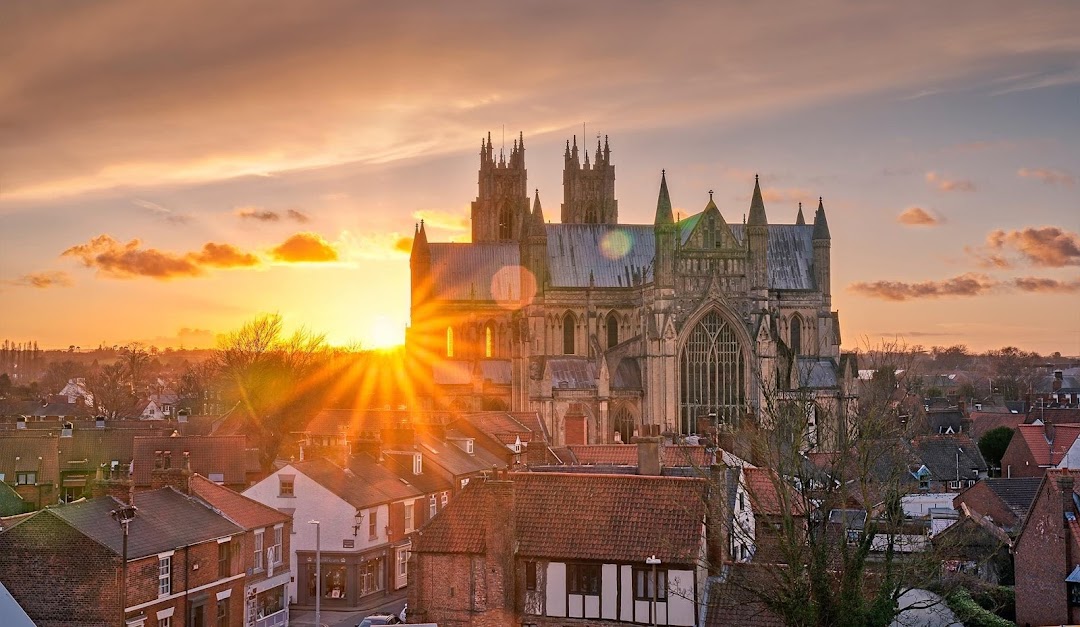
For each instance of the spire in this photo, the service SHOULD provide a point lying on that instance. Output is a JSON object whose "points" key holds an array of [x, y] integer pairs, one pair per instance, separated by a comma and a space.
{"points": [[607, 151], [799, 219], [599, 155], [521, 140], [537, 212], [711, 205], [586, 158], [821, 225], [420, 243], [757, 207], [663, 203], [566, 155]]}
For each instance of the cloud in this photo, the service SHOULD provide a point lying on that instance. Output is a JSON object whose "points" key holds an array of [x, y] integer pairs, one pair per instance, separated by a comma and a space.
{"points": [[968, 284], [1047, 246], [267, 215], [1048, 176], [445, 220], [917, 216], [305, 247], [1046, 286], [130, 260], [403, 245], [165, 213], [42, 280], [148, 95], [986, 259], [943, 184]]}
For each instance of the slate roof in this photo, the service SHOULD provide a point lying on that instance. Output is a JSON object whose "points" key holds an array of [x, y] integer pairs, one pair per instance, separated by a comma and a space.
{"points": [[613, 255], [453, 460], [627, 375], [209, 454], [99, 446], [1043, 452], [28, 449], [789, 252], [496, 371], [37, 409], [817, 373], [245, 512], [502, 426], [627, 455], [485, 271], [947, 456], [588, 517], [166, 520], [1017, 493], [378, 484], [11, 504], [572, 372]]}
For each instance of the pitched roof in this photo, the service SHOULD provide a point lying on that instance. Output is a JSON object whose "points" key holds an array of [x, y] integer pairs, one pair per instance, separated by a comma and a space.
{"points": [[208, 454], [503, 426], [165, 520], [1044, 451], [378, 484], [486, 271], [245, 512], [603, 255], [627, 455], [762, 484], [572, 372], [1017, 493], [453, 460], [983, 421], [354, 422], [590, 517], [38, 454], [950, 457], [817, 373]]}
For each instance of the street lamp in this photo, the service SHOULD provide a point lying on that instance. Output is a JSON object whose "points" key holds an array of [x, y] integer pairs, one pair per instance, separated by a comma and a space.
{"points": [[318, 574], [654, 562], [124, 515]]}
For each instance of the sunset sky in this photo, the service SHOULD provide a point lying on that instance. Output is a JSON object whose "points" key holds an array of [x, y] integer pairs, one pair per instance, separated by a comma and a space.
{"points": [[169, 171]]}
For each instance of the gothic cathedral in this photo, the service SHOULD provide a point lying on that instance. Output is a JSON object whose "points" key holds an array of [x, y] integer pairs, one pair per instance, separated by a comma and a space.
{"points": [[612, 330]]}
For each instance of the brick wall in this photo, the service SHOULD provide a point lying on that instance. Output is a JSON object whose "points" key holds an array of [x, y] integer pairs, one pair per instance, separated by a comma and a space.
{"points": [[983, 500], [1040, 560], [59, 576], [1018, 462]]}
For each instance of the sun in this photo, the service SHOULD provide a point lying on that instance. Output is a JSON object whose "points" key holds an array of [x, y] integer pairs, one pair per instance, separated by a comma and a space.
{"points": [[385, 333]]}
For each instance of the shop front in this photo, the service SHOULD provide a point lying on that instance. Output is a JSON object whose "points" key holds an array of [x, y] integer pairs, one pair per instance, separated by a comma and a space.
{"points": [[347, 578]]}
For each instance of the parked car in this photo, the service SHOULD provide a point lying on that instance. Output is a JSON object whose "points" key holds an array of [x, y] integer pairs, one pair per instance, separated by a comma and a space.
{"points": [[379, 619]]}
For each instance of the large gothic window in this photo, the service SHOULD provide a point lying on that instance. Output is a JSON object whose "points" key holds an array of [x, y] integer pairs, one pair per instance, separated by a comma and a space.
{"points": [[568, 334], [712, 368], [612, 329], [623, 422]]}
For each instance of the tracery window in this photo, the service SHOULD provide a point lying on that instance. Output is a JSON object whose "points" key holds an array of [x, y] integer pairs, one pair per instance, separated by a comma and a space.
{"points": [[712, 368]]}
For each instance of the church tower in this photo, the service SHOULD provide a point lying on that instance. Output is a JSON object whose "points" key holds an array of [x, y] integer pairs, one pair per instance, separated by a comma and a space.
{"points": [[757, 237], [501, 207], [589, 190]]}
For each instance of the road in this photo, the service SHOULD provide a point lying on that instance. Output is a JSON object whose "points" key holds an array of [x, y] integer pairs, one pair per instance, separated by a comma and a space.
{"points": [[336, 618]]}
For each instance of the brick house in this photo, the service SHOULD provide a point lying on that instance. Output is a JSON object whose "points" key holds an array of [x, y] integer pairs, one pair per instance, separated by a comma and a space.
{"points": [[1036, 447], [266, 551], [1047, 554], [177, 571], [1005, 501], [547, 548]]}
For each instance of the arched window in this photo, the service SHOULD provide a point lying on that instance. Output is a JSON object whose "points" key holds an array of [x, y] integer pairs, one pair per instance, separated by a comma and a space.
{"points": [[568, 334], [449, 341], [712, 369], [489, 340], [795, 334], [612, 329], [623, 421]]}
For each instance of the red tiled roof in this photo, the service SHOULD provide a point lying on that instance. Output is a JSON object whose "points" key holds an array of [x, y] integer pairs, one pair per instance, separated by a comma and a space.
{"points": [[245, 512], [1043, 452], [762, 484], [589, 517], [209, 454], [626, 455]]}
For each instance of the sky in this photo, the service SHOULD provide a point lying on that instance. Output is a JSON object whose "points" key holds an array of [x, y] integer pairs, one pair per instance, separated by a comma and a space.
{"points": [[170, 171]]}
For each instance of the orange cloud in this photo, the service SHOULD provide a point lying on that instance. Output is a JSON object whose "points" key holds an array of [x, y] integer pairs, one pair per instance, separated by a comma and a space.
{"points": [[445, 220], [1048, 176], [305, 247], [42, 280], [1047, 246], [1043, 285], [403, 244], [917, 216], [124, 261], [949, 185], [969, 284]]}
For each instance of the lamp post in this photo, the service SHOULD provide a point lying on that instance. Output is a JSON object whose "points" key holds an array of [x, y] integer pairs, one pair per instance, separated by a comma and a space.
{"points": [[654, 562], [124, 515], [318, 574]]}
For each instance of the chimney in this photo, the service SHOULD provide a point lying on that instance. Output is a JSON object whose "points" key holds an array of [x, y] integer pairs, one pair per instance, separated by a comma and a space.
{"points": [[1065, 484], [1050, 431], [500, 535], [650, 452], [177, 478], [1059, 378], [114, 482]]}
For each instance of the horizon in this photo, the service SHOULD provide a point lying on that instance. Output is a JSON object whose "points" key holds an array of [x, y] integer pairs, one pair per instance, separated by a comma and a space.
{"points": [[168, 177]]}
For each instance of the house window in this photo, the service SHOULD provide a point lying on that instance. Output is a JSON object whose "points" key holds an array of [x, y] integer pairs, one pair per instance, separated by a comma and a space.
{"points": [[449, 341], [373, 524], [285, 485], [444, 499], [469, 447], [583, 578], [417, 464], [164, 622], [224, 567], [216, 477], [277, 545], [1074, 594], [408, 517], [371, 576], [25, 478], [924, 484], [530, 575], [433, 507], [223, 612], [645, 584], [258, 550], [403, 563], [164, 576]]}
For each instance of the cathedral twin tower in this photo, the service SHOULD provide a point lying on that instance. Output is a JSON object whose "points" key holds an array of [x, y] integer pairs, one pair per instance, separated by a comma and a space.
{"points": [[611, 330]]}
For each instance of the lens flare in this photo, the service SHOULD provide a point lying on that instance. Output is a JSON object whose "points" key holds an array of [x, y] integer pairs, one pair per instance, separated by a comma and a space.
{"points": [[615, 244]]}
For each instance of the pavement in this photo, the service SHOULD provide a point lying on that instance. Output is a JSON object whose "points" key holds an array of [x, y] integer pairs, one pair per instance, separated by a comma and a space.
{"points": [[390, 604]]}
